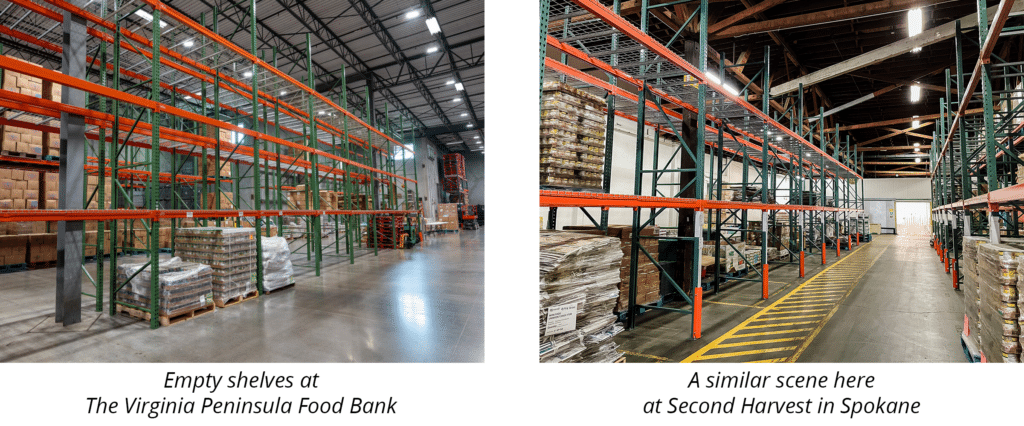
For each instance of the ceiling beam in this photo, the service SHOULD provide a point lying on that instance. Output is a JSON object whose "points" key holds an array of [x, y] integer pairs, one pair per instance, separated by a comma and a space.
{"points": [[825, 16], [896, 163], [758, 8], [898, 121], [897, 173], [930, 36], [919, 135], [466, 101], [892, 148], [896, 133]]}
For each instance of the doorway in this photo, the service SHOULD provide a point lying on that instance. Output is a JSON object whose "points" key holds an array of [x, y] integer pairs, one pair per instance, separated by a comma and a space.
{"points": [[913, 218]]}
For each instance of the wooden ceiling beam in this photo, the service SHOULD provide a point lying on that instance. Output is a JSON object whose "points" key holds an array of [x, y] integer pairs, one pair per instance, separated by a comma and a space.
{"points": [[897, 121], [746, 13], [896, 133], [918, 135], [826, 16], [895, 163], [892, 148]]}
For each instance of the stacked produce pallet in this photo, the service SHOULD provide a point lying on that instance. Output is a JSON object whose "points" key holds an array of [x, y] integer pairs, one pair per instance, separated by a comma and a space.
{"points": [[579, 274], [999, 318], [184, 289], [231, 252], [572, 135]]}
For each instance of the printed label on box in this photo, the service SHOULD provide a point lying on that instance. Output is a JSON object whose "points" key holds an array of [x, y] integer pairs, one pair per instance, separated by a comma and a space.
{"points": [[561, 319]]}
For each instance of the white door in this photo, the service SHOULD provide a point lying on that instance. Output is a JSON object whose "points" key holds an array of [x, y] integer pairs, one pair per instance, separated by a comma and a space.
{"points": [[913, 218]]}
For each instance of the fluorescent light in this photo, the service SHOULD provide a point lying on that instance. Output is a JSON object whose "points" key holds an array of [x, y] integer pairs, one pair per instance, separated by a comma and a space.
{"points": [[188, 98], [916, 144], [463, 114], [149, 17], [432, 49], [459, 87], [450, 82], [320, 112], [476, 137], [917, 149], [915, 93], [714, 78], [456, 100], [284, 92], [188, 43], [732, 90], [470, 125], [915, 123], [917, 160], [412, 14], [915, 24], [433, 26], [247, 74], [778, 138], [808, 154]]}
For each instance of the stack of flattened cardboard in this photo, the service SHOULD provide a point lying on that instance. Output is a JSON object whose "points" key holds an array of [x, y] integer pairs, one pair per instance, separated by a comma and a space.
{"points": [[449, 214], [648, 277]]}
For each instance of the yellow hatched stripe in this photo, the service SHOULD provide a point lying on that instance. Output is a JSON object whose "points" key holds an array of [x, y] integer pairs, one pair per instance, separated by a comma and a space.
{"points": [[768, 333], [743, 353], [760, 342]]}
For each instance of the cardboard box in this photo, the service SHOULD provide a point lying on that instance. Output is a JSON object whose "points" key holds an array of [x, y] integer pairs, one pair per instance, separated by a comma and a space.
{"points": [[51, 204], [226, 202], [42, 248], [17, 194], [6, 204], [14, 249], [20, 184]]}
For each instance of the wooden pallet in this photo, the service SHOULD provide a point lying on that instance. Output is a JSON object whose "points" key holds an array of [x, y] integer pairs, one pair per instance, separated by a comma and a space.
{"points": [[292, 285], [13, 268], [21, 154], [236, 300], [165, 320]]}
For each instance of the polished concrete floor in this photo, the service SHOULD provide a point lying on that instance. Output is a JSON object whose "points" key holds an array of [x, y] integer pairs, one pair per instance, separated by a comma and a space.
{"points": [[420, 305], [887, 301]]}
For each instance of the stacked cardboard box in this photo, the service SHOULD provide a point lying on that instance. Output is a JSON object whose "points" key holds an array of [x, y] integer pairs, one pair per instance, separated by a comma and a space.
{"points": [[49, 190], [92, 192], [92, 238], [578, 280], [42, 248], [19, 189], [13, 249], [231, 252], [226, 201], [299, 197], [449, 214], [19, 140], [572, 127]]}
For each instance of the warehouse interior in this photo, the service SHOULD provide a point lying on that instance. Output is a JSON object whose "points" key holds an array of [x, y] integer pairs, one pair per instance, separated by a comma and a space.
{"points": [[865, 209], [242, 181]]}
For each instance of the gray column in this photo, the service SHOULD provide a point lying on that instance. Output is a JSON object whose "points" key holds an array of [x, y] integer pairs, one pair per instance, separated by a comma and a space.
{"points": [[72, 176]]}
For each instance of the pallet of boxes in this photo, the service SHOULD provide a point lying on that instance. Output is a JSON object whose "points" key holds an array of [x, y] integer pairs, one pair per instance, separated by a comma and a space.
{"points": [[20, 189], [184, 289], [449, 214], [579, 276], [572, 134], [22, 141], [230, 252]]}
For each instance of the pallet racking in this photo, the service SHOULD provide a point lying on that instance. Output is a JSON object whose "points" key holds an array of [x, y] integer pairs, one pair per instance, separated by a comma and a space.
{"points": [[975, 171], [648, 81], [164, 88]]}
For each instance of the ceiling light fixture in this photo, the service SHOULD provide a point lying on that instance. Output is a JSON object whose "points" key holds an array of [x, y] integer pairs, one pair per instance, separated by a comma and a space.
{"points": [[476, 137], [431, 49], [450, 82], [320, 112], [917, 160], [917, 149], [463, 114], [459, 87], [456, 100], [412, 14], [915, 93], [188, 98], [188, 43], [247, 74], [433, 26], [915, 24], [470, 125], [284, 92], [916, 144], [778, 138], [148, 17]]}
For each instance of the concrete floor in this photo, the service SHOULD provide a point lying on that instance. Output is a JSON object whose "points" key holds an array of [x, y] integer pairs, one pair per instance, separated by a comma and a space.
{"points": [[419, 305], [887, 301]]}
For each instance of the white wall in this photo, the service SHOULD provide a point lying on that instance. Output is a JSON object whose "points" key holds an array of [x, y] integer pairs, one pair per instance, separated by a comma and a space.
{"points": [[898, 188]]}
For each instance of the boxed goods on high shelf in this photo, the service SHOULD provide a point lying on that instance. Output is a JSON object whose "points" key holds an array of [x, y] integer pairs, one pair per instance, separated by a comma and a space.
{"points": [[231, 252], [92, 194], [572, 134], [49, 190], [184, 286], [227, 201], [1000, 329], [579, 274], [19, 140], [208, 166], [277, 264], [19, 189], [970, 286], [648, 276]]}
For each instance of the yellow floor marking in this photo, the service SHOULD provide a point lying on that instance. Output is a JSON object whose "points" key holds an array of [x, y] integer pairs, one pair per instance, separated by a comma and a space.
{"points": [[784, 324], [792, 300], [753, 352], [644, 355], [773, 360], [730, 304], [760, 342], [813, 292], [808, 306], [792, 317], [699, 354], [803, 346], [768, 333], [798, 311]]}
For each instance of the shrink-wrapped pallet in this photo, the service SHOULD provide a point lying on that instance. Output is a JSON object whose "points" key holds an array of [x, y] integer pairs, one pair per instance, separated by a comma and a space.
{"points": [[999, 316], [230, 252], [969, 285], [183, 286], [277, 264], [579, 277]]}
